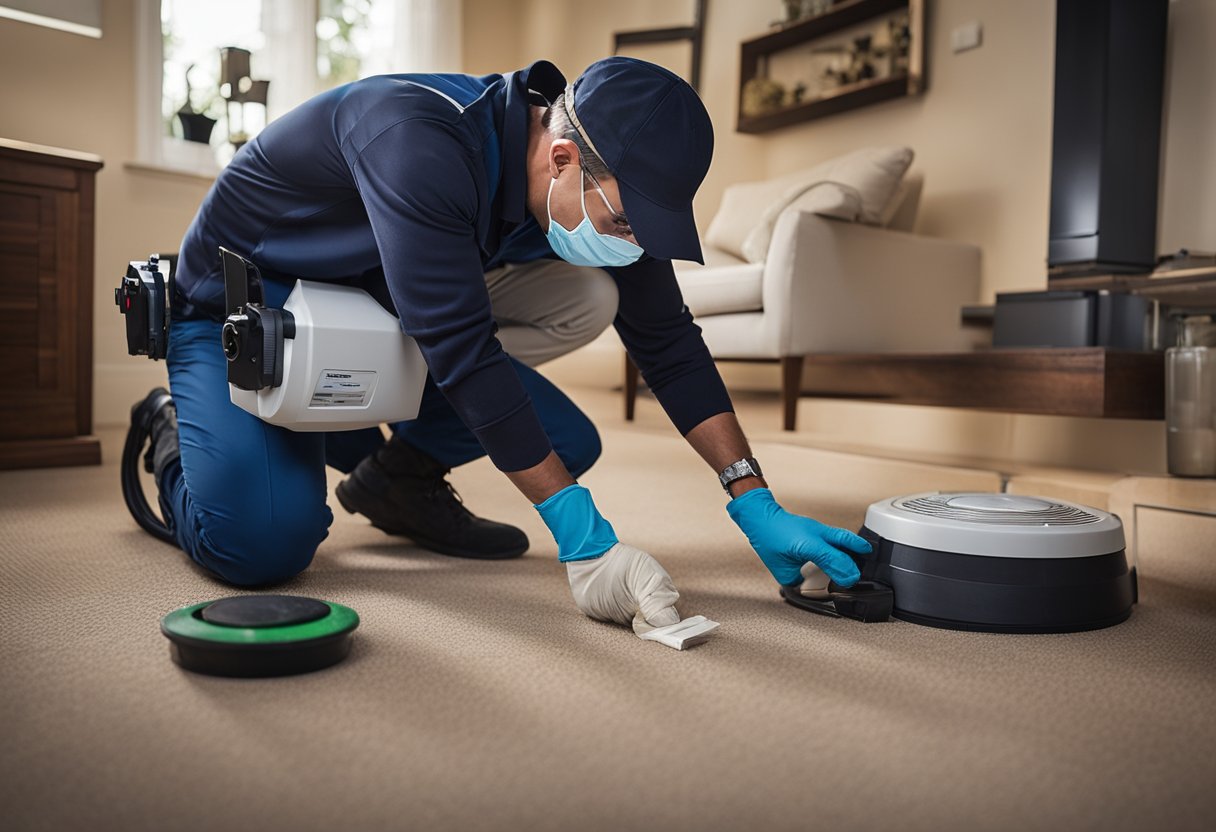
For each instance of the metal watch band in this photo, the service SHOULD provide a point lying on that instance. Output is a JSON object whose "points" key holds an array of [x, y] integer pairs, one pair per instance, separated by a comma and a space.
{"points": [[738, 470]]}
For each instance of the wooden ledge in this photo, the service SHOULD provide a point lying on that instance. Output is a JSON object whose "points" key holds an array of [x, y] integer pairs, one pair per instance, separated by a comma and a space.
{"points": [[1091, 382], [57, 156]]}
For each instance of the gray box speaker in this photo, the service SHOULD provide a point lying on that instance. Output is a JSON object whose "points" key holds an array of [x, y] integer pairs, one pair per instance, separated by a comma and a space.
{"points": [[1072, 319]]}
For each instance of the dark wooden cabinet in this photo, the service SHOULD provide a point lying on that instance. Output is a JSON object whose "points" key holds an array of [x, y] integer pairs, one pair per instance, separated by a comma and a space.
{"points": [[46, 306]]}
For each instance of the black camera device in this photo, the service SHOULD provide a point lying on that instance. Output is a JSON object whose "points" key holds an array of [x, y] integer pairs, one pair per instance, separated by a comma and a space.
{"points": [[253, 334], [143, 300]]}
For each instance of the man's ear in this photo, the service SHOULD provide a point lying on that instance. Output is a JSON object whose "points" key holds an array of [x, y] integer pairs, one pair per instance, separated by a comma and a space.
{"points": [[561, 153]]}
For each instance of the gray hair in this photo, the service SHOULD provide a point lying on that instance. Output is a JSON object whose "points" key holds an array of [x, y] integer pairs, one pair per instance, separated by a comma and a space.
{"points": [[557, 121]]}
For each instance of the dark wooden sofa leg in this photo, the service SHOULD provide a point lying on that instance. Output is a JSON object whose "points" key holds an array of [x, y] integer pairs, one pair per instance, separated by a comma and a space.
{"points": [[791, 386], [631, 387]]}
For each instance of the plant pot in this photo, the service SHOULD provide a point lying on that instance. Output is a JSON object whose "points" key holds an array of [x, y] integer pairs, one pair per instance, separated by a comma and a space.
{"points": [[196, 127]]}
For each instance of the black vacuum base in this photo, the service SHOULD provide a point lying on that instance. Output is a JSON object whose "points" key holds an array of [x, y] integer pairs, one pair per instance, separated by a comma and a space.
{"points": [[988, 594], [966, 626]]}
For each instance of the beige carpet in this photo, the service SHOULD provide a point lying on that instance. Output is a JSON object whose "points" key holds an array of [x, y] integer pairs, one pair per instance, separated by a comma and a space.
{"points": [[477, 697]]}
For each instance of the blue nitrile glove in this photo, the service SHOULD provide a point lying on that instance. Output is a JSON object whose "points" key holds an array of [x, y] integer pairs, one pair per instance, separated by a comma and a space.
{"points": [[786, 541], [580, 530]]}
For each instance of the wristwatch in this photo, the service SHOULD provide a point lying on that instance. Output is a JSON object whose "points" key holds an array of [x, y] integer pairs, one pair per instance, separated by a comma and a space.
{"points": [[738, 470]]}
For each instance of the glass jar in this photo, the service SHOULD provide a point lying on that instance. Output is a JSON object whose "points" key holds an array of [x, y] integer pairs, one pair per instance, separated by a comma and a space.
{"points": [[1190, 399]]}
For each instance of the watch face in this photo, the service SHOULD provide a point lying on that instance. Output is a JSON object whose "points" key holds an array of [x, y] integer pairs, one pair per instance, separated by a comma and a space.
{"points": [[739, 470]]}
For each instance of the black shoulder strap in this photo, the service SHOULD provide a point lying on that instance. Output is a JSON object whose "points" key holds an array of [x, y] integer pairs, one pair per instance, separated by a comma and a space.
{"points": [[242, 282]]}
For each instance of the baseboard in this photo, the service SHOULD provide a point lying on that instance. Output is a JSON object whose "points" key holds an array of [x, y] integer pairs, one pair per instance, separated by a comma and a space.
{"points": [[50, 453]]}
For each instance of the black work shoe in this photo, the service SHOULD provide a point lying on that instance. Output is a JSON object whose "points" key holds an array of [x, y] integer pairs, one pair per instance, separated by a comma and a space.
{"points": [[156, 417], [153, 421], [403, 491]]}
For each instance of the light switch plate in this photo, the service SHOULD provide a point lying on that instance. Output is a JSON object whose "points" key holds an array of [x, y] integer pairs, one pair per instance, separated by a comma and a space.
{"points": [[967, 36]]}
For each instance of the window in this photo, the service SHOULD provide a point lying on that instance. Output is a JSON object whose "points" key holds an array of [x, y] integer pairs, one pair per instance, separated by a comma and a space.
{"points": [[192, 35], [300, 47], [345, 39]]}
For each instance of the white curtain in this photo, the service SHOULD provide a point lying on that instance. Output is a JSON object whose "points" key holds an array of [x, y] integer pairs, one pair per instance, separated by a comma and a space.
{"points": [[290, 54], [426, 36]]}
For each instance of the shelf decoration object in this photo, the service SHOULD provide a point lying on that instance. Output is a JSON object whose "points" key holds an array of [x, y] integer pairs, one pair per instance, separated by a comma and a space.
{"points": [[831, 59], [196, 124], [237, 87]]}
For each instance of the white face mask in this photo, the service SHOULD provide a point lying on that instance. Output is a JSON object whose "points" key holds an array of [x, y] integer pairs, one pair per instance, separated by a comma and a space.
{"points": [[584, 246]]}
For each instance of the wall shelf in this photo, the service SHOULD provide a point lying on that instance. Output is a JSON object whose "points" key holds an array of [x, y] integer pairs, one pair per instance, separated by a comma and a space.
{"points": [[755, 54], [846, 98]]}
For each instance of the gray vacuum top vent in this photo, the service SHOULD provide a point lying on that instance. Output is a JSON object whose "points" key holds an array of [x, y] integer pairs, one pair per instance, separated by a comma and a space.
{"points": [[997, 525], [998, 509]]}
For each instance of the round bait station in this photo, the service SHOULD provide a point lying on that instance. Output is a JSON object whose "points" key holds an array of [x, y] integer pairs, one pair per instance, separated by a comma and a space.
{"points": [[259, 635]]}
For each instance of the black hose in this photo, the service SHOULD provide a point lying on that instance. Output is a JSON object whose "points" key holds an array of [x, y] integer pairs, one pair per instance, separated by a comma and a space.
{"points": [[133, 491]]}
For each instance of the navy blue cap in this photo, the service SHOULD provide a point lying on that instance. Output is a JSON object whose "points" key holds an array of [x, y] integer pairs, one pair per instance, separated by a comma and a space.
{"points": [[651, 130]]}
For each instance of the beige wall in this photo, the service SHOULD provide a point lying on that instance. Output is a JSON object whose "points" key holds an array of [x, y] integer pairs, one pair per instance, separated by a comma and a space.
{"points": [[982, 134], [77, 92], [1188, 157]]}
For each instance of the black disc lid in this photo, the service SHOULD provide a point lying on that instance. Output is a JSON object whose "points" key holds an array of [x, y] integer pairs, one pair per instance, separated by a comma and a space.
{"points": [[264, 611]]}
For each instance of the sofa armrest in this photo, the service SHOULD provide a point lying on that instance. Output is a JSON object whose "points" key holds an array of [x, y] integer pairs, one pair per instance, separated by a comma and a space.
{"points": [[832, 286]]}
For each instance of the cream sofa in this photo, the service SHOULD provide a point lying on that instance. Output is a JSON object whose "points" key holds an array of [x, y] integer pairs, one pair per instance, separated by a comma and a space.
{"points": [[828, 285]]}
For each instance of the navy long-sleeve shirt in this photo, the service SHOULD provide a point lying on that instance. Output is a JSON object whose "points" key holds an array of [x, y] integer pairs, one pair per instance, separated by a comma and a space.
{"points": [[412, 186]]}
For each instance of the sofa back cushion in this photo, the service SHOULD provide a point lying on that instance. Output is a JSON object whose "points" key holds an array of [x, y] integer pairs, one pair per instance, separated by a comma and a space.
{"points": [[856, 186], [900, 213]]}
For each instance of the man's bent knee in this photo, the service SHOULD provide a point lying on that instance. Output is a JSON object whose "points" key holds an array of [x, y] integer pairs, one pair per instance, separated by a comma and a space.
{"points": [[260, 554], [601, 298], [592, 312]]}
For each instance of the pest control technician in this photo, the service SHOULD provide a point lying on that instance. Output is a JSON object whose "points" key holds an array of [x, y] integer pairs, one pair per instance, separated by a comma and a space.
{"points": [[506, 220]]}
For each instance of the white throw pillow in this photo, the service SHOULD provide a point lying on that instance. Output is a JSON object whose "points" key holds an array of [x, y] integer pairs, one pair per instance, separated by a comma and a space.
{"points": [[827, 199], [869, 174]]}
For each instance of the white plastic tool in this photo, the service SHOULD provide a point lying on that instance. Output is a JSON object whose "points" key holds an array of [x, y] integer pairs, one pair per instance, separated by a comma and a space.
{"points": [[348, 366], [685, 634]]}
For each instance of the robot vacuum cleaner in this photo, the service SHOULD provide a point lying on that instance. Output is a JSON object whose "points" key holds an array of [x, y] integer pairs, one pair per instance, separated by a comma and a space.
{"points": [[1000, 563], [259, 635]]}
